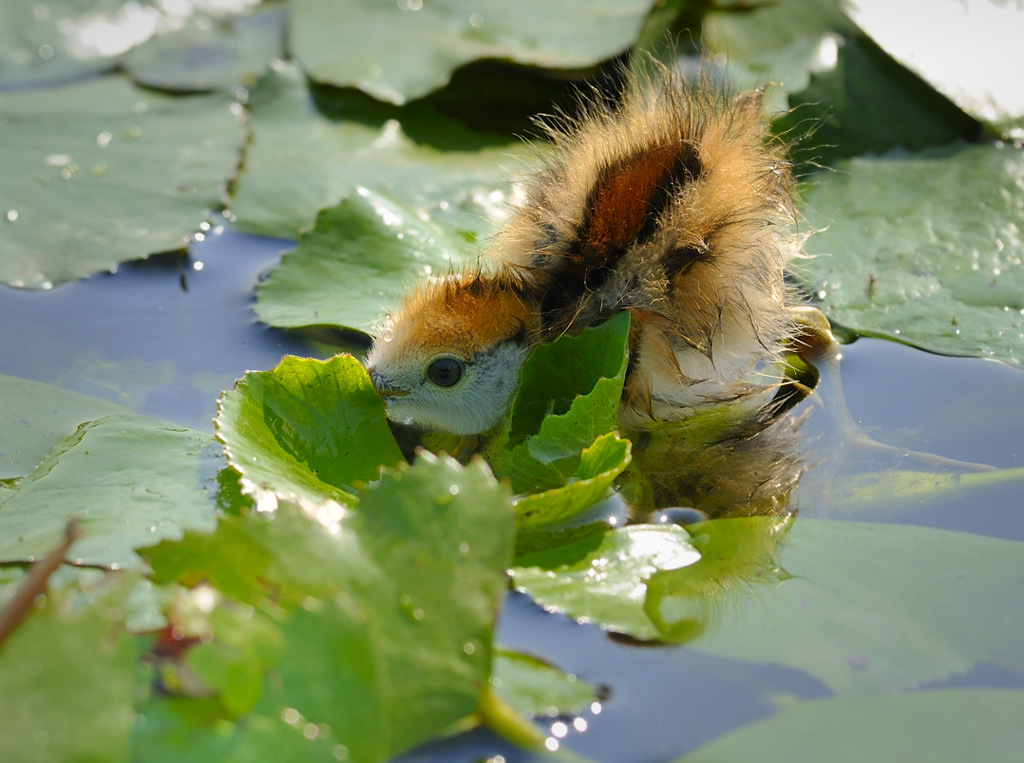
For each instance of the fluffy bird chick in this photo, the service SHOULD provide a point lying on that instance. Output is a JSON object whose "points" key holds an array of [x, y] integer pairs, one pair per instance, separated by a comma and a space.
{"points": [[674, 205]]}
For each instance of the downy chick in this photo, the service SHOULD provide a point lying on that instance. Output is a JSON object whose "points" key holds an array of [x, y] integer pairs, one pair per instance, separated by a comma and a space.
{"points": [[674, 205]]}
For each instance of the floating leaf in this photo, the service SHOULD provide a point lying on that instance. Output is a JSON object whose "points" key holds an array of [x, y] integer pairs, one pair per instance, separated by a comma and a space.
{"points": [[355, 262], [978, 72], [67, 677], [102, 172], [925, 249], [534, 688], [307, 431], [36, 417], [871, 608], [736, 555], [130, 479], [49, 43], [939, 726], [839, 110], [209, 54], [398, 52], [863, 608], [604, 579], [66, 39], [300, 162], [387, 619], [775, 43], [568, 397], [541, 518]]}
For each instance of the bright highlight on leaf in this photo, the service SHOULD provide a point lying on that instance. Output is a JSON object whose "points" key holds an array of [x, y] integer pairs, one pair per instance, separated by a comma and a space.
{"points": [[977, 73]]}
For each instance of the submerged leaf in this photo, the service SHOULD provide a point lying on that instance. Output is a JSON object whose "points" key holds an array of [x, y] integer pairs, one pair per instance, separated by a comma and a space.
{"points": [[102, 172], [876, 608], [925, 249], [948, 726], [902, 487]]}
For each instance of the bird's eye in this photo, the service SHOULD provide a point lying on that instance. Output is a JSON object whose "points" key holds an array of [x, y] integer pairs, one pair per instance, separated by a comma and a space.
{"points": [[445, 372]]}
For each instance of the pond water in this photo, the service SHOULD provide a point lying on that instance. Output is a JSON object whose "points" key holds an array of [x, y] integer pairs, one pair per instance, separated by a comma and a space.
{"points": [[163, 337]]}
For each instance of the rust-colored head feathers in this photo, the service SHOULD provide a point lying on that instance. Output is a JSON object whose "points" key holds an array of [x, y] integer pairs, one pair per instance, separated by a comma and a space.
{"points": [[674, 205]]}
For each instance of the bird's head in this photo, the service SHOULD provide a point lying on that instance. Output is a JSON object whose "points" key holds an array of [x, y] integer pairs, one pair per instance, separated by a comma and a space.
{"points": [[449, 359]]}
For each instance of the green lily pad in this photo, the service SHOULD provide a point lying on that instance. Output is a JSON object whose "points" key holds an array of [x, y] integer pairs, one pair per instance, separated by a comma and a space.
{"points": [[102, 172], [354, 263], [400, 51], [938, 726], [541, 517], [535, 689], [655, 582], [863, 608], [978, 71], [907, 488], [46, 43], [307, 431], [36, 417], [604, 579], [300, 162], [387, 616], [837, 114], [869, 608], [67, 677], [442, 536], [131, 480], [736, 557], [207, 53], [924, 249], [191, 46], [568, 397], [782, 44]]}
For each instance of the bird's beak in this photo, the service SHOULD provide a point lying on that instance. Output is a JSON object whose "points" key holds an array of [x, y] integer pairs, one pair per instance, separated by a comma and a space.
{"points": [[382, 388]]}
